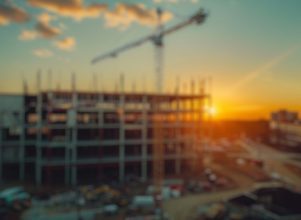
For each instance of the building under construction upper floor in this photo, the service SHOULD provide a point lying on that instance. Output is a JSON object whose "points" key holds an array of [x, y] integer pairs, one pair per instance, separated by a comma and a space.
{"points": [[72, 137]]}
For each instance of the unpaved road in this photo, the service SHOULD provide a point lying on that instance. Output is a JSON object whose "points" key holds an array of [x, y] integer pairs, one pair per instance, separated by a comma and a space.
{"points": [[185, 208]]}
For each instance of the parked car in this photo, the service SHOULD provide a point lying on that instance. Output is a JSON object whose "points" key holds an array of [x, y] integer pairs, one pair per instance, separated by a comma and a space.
{"points": [[15, 197]]}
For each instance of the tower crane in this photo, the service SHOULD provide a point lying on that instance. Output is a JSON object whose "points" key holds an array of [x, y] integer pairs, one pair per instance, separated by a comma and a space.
{"points": [[157, 39]]}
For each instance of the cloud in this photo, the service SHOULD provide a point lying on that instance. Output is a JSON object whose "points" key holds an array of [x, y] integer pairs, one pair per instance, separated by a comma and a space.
{"points": [[70, 8], [43, 27], [67, 43], [47, 31], [45, 18], [123, 15], [10, 13], [28, 35], [43, 53], [168, 1], [175, 1]]}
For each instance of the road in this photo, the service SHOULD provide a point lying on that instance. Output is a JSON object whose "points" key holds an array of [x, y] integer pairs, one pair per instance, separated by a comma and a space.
{"points": [[275, 160], [185, 208]]}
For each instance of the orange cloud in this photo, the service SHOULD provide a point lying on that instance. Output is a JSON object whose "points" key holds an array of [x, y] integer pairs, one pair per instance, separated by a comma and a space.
{"points": [[43, 53], [45, 18], [11, 13], [67, 43], [43, 29], [47, 31], [125, 14], [122, 15], [28, 35], [70, 8]]}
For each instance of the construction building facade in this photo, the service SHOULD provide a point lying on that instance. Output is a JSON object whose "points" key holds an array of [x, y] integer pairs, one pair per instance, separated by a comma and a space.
{"points": [[71, 137]]}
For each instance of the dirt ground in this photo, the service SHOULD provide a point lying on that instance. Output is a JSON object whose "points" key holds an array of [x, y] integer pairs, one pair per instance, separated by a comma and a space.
{"points": [[184, 208]]}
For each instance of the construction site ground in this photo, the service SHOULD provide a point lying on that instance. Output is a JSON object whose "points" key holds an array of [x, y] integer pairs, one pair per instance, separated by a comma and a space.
{"points": [[286, 167], [277, 168]]}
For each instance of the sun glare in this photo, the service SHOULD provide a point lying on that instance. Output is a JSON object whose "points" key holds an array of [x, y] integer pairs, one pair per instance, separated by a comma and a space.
{"points": [[211, 110]]}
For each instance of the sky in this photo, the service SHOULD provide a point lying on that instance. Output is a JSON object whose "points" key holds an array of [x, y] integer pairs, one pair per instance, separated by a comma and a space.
{"points": [[251, 49]]}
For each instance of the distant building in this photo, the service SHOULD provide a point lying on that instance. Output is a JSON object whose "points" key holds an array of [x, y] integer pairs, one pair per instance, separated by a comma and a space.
{"points": [[285, 129], [284, 116], [83, 137]]}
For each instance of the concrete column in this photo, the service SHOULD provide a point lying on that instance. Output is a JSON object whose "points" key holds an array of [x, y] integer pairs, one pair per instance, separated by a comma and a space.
{"points": [[100, 127], [178, 136], [100, 111], [39, 139], [100, 130], [201, 130], [22, 142], [73, 126], [144, 140], [74, 156], [192, 125], [121, 113], [73, 152], [67, 156]]}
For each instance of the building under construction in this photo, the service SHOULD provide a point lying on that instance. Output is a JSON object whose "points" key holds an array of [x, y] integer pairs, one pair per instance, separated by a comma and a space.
{"points": [[72, 137]]}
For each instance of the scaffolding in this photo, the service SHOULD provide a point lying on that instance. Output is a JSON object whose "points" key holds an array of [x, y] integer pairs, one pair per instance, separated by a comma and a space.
{"points": [[74, 137]]}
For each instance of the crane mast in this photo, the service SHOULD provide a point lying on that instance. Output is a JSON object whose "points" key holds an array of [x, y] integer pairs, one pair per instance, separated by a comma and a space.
{"points": [[157, 39], [158, 144]]}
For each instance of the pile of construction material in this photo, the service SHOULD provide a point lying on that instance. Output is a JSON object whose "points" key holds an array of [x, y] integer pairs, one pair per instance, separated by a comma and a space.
{"points": [[16, 198], [13, 202]]}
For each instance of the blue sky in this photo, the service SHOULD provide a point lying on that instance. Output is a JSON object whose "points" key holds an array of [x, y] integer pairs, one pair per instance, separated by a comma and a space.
{"points": [[251, 49]]}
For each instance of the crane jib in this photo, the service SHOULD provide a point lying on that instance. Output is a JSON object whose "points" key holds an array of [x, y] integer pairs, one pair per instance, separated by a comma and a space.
{"points": [[157, 38]]}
